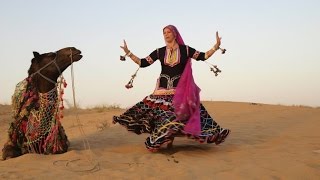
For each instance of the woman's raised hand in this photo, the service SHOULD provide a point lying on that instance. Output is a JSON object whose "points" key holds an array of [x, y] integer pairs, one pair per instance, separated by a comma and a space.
{"points": [[218, 43], [125, 47]]}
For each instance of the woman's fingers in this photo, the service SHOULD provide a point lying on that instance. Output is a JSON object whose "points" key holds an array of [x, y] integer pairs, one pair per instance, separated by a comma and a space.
{"points": [[124, 47], [124, 42], [218, 38]]}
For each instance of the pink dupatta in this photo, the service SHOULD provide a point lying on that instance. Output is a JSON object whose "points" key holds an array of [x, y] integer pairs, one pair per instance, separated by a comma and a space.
{"points": [[186, 100]]}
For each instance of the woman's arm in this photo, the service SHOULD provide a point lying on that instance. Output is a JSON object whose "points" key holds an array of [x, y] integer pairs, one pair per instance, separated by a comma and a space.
{"points": [[197, 55], [128, 53], [134, 58], [209, 53], [144, 62]]}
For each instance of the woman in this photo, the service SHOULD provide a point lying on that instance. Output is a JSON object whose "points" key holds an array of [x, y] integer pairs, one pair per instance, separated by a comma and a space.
{"points": [[174, 108]]}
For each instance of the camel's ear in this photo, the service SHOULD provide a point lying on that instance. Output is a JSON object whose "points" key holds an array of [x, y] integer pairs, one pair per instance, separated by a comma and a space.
{"points": [[36, 54]]}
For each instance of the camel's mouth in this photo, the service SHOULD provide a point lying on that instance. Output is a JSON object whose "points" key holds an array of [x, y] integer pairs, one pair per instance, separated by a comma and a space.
{"points": [[76, 55]]}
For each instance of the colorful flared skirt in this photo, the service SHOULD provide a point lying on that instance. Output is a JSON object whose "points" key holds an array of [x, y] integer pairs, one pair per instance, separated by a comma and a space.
{"points": [[155, 115]]}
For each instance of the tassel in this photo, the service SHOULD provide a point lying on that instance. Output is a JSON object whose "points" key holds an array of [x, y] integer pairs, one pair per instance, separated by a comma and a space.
{"points": [[52, 140], [130, 83], [65, 84], [215, 70]]}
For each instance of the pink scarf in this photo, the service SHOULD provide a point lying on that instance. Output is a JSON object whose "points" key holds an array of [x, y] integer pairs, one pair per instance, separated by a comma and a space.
{"points": [[186, 100]]}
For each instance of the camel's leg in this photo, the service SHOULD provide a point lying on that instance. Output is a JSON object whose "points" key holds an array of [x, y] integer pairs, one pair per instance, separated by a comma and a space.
{"points": [[10, 151]]}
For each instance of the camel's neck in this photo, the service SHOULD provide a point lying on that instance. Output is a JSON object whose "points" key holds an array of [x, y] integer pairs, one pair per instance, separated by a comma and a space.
{"points": [[43, 85]]}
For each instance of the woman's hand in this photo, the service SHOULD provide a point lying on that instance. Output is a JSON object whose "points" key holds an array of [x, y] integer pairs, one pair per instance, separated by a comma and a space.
{"points": [[218, 43], [125, 47]]}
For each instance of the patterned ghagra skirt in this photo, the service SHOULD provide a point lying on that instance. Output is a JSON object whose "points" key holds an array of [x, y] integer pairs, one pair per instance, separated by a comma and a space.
{"points": [[155, 115]]}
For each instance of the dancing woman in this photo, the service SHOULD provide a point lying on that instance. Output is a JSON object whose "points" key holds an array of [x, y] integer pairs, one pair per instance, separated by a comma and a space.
{"points": [[174, 108]]}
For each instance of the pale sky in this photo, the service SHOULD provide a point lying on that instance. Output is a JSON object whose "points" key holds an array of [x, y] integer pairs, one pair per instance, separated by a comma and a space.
{"points": [[272, 46]]}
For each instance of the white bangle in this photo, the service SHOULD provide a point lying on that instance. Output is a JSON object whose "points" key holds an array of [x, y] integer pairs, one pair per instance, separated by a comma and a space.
{"points": [[129, 54]]}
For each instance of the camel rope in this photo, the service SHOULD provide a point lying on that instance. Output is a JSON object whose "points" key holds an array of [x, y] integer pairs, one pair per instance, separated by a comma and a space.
{"points": [[93, 165]]}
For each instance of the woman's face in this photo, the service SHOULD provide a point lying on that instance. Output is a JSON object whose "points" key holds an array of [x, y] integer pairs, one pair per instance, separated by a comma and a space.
{"points": [[168, 35]]}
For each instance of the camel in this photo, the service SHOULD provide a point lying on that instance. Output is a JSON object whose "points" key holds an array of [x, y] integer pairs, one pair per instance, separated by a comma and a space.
{"points": [[37, 103]]}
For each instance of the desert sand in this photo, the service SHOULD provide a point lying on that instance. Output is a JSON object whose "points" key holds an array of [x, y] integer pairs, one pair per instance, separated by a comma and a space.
{"points": [[266, 142]]}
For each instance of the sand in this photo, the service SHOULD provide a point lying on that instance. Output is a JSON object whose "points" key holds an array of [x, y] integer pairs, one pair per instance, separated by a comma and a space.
{"points": [[267, 142]]}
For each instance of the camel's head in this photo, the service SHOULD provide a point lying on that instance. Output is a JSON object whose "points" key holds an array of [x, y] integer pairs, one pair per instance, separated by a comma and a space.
{"points": [[52, 64]]}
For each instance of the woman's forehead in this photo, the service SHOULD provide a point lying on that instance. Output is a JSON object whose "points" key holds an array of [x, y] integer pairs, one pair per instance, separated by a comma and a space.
{"points": [[167, 29]]}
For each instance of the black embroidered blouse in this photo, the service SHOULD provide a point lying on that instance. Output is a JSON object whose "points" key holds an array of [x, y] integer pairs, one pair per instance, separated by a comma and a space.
{"points": [[171, 71]]}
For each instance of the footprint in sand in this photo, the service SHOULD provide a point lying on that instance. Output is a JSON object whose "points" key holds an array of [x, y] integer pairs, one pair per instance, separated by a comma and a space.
{"points": [[173, 158], [317, 151]]}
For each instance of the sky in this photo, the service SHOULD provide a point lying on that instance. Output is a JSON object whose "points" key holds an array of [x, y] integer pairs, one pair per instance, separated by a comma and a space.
{"points": [[272, 47]]}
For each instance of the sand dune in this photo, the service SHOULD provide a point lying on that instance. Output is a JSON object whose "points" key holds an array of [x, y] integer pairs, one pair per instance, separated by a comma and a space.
{"points": [[267, 142]]}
